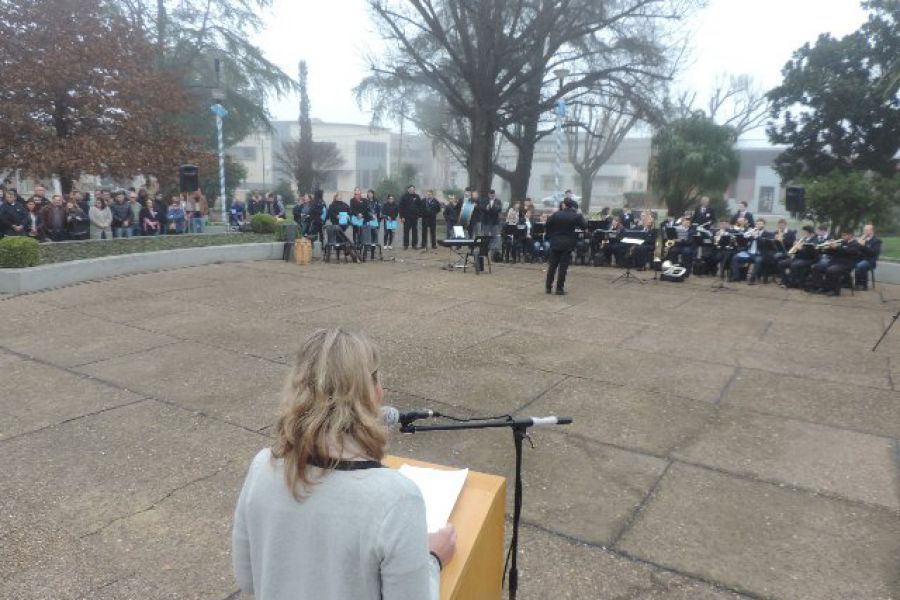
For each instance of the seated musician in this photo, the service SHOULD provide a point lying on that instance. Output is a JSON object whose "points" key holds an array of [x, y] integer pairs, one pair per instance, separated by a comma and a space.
{"points": [[844, 254], [794, 268], [723, 247], [614, 246], [641, 255], [870, 248], [682, 252], [627, 218], [752, 254]]}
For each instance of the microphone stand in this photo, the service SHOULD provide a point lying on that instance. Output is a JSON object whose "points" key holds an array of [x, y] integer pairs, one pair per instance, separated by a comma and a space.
{"points": [[886, 331], [519, 428]]}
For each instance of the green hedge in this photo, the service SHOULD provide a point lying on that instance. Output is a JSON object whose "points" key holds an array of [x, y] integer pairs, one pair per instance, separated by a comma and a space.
{"points": [[263, 223], [18, 252]]}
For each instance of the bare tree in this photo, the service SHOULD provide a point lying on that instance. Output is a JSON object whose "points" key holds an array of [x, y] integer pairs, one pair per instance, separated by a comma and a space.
{"points": [[736, 101], [593, 134], [326, 158], [490, 62]]}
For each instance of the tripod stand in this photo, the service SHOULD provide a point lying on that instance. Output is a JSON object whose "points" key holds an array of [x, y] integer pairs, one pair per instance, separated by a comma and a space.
{"points": [[519, 428], [886, 331], [629, 259]]}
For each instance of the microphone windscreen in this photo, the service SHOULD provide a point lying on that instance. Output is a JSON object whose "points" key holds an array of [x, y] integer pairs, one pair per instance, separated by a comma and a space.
{"points": [[390, 415]]}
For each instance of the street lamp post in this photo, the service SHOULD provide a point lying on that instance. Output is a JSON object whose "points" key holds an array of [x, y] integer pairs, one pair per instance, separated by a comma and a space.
{"points": [[217, 109], [560, 115]]}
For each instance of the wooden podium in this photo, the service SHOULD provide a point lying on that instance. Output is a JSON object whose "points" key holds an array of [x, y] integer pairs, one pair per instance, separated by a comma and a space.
{"points": [[476, 571]]}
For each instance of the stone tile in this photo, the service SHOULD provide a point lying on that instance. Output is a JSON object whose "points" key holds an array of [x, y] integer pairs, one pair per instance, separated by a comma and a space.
{"points": [[767, 540], [87, 474], [869, 410], [827, 363], [554, 567], [170, 280], [45, 560], [693, 343], [239, 389], [68, 338], [612, 414], [169, 534], [46, 396], [96, 292], [604, 362], [838, 462]]}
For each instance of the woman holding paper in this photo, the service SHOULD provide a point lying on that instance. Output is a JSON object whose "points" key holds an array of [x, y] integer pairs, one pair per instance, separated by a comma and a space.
{"points": [[318, 517]]}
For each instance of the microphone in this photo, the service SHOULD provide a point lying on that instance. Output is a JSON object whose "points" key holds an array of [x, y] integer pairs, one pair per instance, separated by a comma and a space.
{"points": [[392, 416], [549, 421]]}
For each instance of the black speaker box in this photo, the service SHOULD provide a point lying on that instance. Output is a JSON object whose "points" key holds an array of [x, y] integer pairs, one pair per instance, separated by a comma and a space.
{"points": [[188, 178], [795, 200]]}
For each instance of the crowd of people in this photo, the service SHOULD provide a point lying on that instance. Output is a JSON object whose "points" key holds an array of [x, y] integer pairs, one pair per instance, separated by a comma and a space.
{"points": [[106, 214]]}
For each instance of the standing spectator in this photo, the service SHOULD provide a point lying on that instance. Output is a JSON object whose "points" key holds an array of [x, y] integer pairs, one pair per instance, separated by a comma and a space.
{"points": [[162, 213], [375, 210], [149, 219], [176, 216], [33, 227], [195, 210], [477, 215], [77, 224], [83, 200], [277, 206], [390, 211], [409, 216], [40, 195], [359, 214], [13, 215], [122, 216], [136, 207], [101, 219], [490, 220], [451, 214], [53, 220], [301, 214], [317, 212], [431, 208]]}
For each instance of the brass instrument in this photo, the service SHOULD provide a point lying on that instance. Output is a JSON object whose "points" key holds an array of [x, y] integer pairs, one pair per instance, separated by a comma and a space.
{"points": [[829, 245], [670, 244], [798, 245], [779, 236]]}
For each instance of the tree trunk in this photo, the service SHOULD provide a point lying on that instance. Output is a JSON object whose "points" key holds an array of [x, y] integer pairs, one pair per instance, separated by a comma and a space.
{"points": [[587, 187], [481, 157], [518, 184]]}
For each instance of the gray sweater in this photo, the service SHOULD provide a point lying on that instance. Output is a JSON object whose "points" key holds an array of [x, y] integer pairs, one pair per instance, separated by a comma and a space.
{"points": [[355, 535]]}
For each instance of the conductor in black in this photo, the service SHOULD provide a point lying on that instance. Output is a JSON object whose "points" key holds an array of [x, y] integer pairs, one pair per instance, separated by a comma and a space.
{"points": [[560, 230]]}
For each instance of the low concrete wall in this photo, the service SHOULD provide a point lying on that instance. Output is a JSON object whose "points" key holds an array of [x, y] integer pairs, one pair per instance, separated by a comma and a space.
{"points": [[17, 281], [887, 272]]}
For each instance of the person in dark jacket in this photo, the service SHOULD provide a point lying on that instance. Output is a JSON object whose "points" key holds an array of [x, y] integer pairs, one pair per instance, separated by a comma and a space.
{"points": [[560, 230], [122, 216], [335, 209], [77, 223], [451, 214], [13, 216], [374, 222], [359, 209], [431, 208], [869, 250], [409, 216], [317, 217], [390, 210], [53, 220], [844, 255], [491, 207]]}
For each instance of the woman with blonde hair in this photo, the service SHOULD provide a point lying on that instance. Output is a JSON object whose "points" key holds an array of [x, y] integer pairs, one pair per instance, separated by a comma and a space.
{"points": [[318, 517]]}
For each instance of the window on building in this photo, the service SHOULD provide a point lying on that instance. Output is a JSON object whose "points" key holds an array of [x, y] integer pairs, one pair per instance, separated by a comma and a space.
{"points": [[766, 199], [247, 153]]}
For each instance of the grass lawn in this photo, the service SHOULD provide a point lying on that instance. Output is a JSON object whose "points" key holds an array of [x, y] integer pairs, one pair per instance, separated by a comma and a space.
{"points": [[890, 248], [65, 251]]}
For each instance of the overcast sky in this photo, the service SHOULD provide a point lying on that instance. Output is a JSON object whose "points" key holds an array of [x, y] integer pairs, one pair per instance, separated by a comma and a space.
{"points": [[755, 37]]}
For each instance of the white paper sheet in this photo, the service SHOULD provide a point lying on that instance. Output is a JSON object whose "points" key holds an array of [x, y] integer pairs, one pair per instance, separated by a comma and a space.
{"points": [[440, 489]]}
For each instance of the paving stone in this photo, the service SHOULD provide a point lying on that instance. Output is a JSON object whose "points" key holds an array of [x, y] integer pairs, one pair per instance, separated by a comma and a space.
{"points": [[86, 474], [589, 573], [46, 395], [767, 540], [239, 389], [68, 338], [839, 462], [866, 409]]}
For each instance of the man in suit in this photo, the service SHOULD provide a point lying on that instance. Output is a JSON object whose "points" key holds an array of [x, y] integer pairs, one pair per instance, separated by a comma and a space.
{"points": [[409, 205], [560, 231], [431, 207], [870, 248], [490, 219], [753, 254], [843, 258], [794, 268], [627, 218], [704, 216], [743, 213]]}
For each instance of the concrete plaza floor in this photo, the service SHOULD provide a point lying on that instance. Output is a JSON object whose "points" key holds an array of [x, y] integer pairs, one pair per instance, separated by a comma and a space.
{"points": [[726, 445]]}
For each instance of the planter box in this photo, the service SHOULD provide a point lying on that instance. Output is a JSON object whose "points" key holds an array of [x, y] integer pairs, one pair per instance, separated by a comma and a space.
{"points": [[17, 281]]}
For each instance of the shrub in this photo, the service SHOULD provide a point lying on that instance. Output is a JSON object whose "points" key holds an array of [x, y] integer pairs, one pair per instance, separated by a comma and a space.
{"points": [[18, 252], [262, 223], [280, 228]]}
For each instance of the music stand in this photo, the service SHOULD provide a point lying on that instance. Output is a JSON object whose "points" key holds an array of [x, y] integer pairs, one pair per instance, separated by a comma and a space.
{"points": [[627, 275], [727, 245]]}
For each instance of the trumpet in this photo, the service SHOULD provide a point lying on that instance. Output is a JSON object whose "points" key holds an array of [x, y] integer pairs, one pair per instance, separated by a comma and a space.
{"points": [[829, 245], [670, 244], [798, 245]]}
